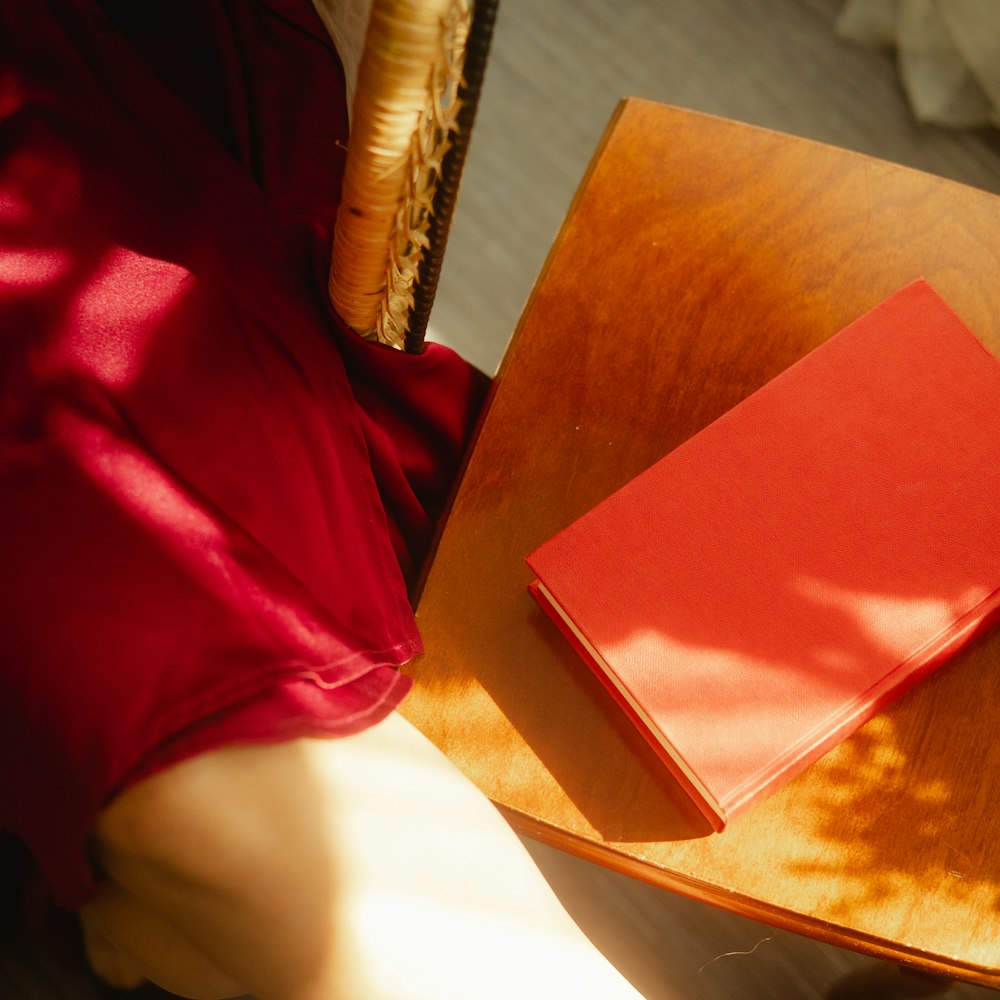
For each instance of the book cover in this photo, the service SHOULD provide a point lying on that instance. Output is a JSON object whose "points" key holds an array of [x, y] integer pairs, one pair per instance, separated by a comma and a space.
{"points": [[772, 583]]}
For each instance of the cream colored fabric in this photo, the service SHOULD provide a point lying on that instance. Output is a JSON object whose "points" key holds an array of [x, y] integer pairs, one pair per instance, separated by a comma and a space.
{"points": [[346, 21], [948, 50]]}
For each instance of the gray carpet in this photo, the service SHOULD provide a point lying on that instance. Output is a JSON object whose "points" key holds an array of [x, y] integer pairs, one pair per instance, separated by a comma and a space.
{"points": [[559, 67]]}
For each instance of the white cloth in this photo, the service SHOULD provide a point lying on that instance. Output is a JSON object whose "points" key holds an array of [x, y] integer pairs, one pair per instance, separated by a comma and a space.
{"points": [[948, 52], [347, 23]]}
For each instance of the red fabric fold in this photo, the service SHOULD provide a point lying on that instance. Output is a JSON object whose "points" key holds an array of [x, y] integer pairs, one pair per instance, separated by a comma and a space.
{"points": [[211, 493]]}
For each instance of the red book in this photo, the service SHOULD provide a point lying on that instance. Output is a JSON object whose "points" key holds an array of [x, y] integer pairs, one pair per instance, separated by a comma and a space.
{"points": [[782, 576]]}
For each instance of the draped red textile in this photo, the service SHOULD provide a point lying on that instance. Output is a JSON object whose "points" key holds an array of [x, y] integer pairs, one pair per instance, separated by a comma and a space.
{"points": [[211, 493]]}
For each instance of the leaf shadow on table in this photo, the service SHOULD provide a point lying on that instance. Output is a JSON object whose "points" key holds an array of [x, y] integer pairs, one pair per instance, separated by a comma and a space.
{"points": [[904, 818]]}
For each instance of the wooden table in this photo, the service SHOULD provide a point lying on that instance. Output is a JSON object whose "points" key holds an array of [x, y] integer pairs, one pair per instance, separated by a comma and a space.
{"points": [[699, 259]]}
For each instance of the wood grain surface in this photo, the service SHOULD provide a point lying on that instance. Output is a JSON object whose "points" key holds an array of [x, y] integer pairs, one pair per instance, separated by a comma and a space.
{"points": [[700, 258]]}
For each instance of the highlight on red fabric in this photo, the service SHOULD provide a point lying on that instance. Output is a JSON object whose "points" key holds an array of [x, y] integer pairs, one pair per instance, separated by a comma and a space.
{"points": [[211, 493]]}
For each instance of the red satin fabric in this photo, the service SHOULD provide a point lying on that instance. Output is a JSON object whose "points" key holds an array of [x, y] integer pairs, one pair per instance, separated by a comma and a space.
{"points": [[211, 494]]}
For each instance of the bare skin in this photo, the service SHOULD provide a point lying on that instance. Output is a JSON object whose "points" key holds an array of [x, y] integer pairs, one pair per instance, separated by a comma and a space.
{"points": [[363, 868]]}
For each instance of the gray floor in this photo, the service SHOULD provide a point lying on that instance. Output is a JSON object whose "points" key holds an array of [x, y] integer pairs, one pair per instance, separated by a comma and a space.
{"points": [[558, 68]]}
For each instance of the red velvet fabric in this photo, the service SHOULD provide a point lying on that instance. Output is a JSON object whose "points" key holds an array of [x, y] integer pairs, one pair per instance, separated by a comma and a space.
{"points": [[211, 493]]}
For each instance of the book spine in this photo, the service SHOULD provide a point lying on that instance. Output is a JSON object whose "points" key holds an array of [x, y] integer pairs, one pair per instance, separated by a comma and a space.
{"points": [[716, 821]]}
